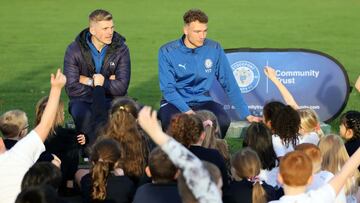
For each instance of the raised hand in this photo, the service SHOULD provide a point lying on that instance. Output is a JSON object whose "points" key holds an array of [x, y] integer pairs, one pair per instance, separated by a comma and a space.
{"points": [[58, 80], [270, 72]]}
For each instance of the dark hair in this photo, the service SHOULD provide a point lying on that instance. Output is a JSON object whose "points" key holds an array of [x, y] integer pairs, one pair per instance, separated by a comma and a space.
{"points": [[258, 138], [271, 109], [351, 120], [100, 15], [185, 193], [286, 125], [38, 194], [193, 15], [42, 173], [161, 168], [185, 128]]}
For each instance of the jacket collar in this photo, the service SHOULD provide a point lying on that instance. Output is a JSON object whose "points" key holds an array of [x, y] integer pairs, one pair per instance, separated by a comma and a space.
{"points": [[186, 49]]}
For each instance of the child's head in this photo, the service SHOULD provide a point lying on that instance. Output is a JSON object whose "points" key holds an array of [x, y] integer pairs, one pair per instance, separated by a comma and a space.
{"points": [[211, 128], [286, 125], [40, 108], [333, 152], [270, 111], [246, 165], [186, 129], [14, 124], [350, 125], [160, 168], [309, 122], [122, 126], [105, 157], [313, 152], [295, 169], [42, 173], [258, 138], [334, 157], [184, 191], [38, 194]]}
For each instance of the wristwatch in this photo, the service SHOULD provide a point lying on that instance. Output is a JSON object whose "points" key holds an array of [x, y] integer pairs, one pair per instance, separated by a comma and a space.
{"points": [[90, 82]]}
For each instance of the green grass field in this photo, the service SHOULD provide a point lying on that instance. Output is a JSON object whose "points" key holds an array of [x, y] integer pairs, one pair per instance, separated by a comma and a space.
{"points": [[34, 36]]}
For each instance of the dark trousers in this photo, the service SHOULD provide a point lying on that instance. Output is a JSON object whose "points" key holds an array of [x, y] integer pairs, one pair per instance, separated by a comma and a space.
{"points": [[81, 113], [166, 111]]}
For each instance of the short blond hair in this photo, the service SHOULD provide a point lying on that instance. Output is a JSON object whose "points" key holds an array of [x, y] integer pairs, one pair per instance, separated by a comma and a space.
{"points": [[309, 121], [99, 15], [12, 123]]}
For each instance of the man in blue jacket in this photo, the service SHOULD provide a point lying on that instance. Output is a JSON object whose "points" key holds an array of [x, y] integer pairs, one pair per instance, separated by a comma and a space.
{"points": [[96, 50], [187, 69]]}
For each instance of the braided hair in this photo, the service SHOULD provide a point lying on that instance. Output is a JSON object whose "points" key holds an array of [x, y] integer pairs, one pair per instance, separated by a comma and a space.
{"points": [[351, 120]]}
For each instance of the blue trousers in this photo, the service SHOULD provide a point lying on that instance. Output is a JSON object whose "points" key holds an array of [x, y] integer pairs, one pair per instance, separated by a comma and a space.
{"points": [[81, 113], [168, 110]]}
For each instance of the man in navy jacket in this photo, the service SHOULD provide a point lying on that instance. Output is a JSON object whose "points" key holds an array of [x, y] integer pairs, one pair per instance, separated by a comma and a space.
{"points": [[96, 50], [187, 69]]}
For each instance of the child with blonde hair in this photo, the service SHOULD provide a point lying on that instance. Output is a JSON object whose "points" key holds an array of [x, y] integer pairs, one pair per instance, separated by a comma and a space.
{"points": [[247, 186], [334, 157], [14, 126]]}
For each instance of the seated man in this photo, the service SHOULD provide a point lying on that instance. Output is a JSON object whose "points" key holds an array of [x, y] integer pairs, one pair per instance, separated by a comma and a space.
{"points": [[96, 50], [187, 69]]}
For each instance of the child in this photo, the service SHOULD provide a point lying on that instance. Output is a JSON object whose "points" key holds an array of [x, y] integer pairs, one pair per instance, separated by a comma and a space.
{"points": [[320, 177], [285, 127], [258, 138], [106, 180], [334, 157], [196, 177], [189, 131], [14, 126], [63, 143], [296, 175], [15, 162], [247, 186], [212, 138], [163, 188], [310, 131], [43, 173], [350, 130]]}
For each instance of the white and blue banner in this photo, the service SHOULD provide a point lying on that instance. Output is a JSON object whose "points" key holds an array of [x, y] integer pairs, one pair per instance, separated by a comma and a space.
{"points": [[316, 80]]}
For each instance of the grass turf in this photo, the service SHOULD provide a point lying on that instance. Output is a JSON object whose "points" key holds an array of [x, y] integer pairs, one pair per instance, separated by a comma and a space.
{"points": [[35, 34]]}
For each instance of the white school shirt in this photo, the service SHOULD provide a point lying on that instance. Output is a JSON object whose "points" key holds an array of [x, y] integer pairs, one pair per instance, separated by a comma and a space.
{"points": [[280, 148], [320, 179], [15, 162], [325, 194], [270, 177], [311, 137]]}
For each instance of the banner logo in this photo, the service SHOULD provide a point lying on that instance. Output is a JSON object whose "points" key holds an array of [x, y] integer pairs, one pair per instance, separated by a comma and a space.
{"points": [[246, 74]]}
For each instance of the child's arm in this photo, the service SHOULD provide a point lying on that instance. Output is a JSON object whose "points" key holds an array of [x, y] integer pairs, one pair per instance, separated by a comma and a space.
{"points": [[196, 176], [347, 171], [57, 83], [287, 96]]}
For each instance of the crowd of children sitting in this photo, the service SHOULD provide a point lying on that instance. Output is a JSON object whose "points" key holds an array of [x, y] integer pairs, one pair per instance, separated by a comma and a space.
{"points": [[286, 158]]}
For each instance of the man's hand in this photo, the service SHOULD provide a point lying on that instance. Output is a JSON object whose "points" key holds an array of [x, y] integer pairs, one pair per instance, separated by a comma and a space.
{"points": [[58, 80], [357, 84], [98, 80], [190, 112], [85, 80], [252, 118], [112, 77]]}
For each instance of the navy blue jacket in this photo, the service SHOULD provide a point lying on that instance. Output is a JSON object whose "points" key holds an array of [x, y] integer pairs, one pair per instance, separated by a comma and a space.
{"points": [[186, 75], [78, 61]]}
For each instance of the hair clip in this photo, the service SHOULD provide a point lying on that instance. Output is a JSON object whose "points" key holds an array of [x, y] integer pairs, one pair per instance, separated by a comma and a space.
{"points": [[208, 123], [255, 179]]}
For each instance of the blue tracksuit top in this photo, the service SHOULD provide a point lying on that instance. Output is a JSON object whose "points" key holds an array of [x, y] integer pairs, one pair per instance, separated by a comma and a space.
{"points": [[186, 75]]}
